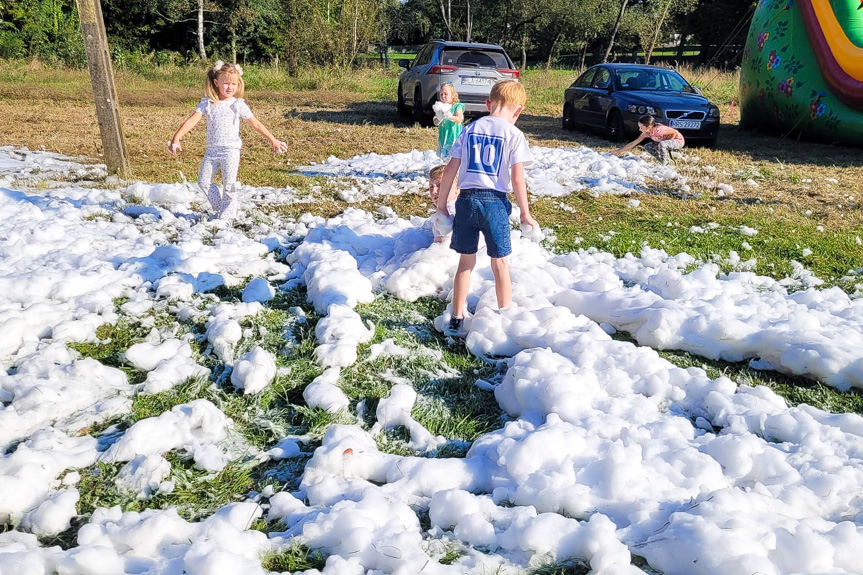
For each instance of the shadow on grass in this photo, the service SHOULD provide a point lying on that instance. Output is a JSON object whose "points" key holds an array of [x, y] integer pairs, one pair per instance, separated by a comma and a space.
{"points": [[760, 144], [356, 114]]}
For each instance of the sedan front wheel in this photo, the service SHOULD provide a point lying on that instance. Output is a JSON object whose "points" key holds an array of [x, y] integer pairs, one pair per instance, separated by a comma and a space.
{"points": [[614, 128], [568, 122]]}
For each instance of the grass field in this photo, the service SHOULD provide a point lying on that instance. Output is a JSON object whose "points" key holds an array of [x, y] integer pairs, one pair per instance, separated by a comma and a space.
{"points": [[805, 206], [807, 194]]}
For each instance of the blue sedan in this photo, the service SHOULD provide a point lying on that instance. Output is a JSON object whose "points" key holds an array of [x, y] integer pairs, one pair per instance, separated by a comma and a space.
{"points": [[610, 98]]}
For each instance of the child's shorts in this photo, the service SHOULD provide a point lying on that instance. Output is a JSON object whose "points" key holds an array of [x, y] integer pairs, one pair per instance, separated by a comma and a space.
{"points": [[482, 210]]}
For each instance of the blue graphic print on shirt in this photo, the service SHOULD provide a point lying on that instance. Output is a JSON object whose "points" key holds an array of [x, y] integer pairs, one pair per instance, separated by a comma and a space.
{"points": [[485, 154]]}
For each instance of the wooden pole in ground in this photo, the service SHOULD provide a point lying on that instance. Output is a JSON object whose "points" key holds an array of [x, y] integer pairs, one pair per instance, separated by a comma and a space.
{"points": [[104, 90]]}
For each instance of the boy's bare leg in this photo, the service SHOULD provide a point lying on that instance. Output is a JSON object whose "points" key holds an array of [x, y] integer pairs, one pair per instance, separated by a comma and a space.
{"points": [[461, 284], [502, 281]]}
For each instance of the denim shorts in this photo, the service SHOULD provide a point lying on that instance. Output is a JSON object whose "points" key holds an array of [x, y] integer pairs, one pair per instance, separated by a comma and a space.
{"points": [[481, 210]]}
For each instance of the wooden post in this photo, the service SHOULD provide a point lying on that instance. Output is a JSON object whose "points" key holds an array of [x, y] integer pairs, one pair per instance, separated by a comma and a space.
{"points": [[104, 91]]}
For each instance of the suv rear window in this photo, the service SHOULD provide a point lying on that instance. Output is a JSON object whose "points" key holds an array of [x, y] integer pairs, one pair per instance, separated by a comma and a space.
{"points": [[474, 58]]}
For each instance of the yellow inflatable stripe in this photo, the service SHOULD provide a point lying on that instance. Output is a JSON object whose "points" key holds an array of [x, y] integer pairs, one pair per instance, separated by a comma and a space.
{"points": [[848, 56]]}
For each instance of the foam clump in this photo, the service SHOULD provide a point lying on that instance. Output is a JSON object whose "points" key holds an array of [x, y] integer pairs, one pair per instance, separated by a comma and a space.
{"points": [[196, 427], [254, 371]]}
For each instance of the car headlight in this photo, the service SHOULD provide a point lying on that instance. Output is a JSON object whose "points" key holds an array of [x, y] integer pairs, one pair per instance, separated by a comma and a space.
{"points": [[713, 113], [634, 109]]}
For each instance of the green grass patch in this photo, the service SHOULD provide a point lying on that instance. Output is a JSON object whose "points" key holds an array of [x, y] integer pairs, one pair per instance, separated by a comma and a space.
{"points": [[196, 495], [450, 403], [114, 340], [575, 567], [294, 558], [145, 406], [452, 554], [97, 489], [708, 235], [795, 390]]}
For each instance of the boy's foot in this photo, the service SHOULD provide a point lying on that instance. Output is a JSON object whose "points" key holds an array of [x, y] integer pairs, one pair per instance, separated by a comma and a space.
{"points": [[456, 326]]}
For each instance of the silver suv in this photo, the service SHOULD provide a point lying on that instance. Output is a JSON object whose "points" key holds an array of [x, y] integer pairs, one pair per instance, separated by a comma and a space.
{"points": [[472, 68]]}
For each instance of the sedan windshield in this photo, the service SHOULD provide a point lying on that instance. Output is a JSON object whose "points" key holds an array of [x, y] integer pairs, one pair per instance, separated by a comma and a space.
{"points": [[667, 80]]}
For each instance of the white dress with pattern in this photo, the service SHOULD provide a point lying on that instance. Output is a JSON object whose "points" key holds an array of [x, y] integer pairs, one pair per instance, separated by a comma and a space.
{"points": [[223, 152]]}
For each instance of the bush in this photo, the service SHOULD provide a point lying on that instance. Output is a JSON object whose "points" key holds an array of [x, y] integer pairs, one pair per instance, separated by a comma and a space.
{"points": [[11, 46]]}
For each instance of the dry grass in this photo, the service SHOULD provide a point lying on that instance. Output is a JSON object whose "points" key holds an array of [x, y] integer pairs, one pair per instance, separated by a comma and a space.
{"points": [[51, 109]]}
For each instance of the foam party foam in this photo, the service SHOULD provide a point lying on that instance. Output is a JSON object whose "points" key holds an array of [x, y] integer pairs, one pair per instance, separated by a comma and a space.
{"points": [[607, 450]]}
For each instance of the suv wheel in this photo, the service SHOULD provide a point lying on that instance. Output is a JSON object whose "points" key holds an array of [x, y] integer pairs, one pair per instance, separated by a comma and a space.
{"points": [[400, 103], [615, 128], [420, 117]]}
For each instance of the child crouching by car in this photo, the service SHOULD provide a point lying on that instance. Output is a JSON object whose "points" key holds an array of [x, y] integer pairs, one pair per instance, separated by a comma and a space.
{"points": [[665, 138]]}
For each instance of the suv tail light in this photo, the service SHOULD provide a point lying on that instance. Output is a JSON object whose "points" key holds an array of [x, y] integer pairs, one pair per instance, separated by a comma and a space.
{"points": [[512, 73], [442, 69]]}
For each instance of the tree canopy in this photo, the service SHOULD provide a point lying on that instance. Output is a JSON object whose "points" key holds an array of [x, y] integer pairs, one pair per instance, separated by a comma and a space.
{"points": [[339, 32]]}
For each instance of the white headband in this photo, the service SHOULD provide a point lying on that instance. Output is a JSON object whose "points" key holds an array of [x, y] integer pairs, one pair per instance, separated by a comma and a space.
{"points": [[218, 66]]}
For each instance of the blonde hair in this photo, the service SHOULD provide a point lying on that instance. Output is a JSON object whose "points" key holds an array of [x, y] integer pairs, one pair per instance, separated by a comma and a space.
{"points": [[436, 173], [455, 99], [218, 69], [508, 93]]}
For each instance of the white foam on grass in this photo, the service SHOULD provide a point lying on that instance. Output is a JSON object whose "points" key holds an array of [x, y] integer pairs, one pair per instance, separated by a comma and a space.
{"points": [[609, 449]]}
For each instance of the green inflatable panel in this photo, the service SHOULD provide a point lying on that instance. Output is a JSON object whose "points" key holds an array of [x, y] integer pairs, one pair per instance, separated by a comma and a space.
{"points": [[802, 71]]}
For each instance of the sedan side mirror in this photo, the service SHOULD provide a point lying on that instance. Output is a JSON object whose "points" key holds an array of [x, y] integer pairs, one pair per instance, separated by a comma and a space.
{"points": [[404, 63], [697, 91]]}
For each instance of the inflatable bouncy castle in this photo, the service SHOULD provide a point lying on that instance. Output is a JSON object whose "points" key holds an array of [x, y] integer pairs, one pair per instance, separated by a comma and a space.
{"points": [[802, 70]]}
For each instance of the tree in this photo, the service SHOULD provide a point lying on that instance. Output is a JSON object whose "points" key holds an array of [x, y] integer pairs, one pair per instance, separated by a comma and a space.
{"points": [[161, 24], [569, 25], [656, 15], [250, 23], [446, 14], [721, 26], [614, 30], [45, 29], [329, 32]]}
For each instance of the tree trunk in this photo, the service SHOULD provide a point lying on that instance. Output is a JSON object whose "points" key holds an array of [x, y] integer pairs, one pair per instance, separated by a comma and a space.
{"points": [[201, 50], [293, 59], [583, 56], [614, 31], [681, 46], [524, 51], [551, 52], [649, 51], [233, 47], [354, 39], [446, 12], [468, 24]]}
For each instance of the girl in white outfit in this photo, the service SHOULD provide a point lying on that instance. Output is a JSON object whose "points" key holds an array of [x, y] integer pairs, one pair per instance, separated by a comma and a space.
{"points": [[223, 106]]}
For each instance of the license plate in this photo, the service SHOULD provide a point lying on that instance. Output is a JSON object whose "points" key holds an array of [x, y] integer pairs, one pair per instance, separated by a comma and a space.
{"points": [[476, 81], [685, 124]]}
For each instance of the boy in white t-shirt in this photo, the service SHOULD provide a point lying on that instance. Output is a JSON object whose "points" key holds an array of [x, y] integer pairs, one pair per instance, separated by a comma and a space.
{"points": [[489, 158]]}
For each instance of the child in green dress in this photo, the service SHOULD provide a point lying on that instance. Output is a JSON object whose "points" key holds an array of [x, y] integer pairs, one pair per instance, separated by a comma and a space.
{"points": [[449, 116]]}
